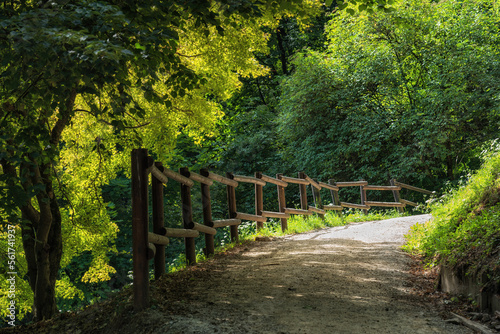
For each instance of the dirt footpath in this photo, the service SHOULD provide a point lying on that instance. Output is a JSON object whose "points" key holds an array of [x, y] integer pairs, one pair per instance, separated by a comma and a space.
{"points": [[348, 279], [352, 279]]}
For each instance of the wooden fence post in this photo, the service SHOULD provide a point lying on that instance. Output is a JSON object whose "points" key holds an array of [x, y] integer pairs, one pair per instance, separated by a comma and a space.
{"points": [[317, 200], [158, 221], [231, 203], [259, 200], [140, 228], [187, 218], [207, 214], [335, 196], [395, 193], [282, 203], [303, 192], [363, 197]]}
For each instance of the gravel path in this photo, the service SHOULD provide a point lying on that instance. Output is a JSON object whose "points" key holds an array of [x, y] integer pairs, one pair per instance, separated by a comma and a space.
{"points": [[350, 279], [381, 231]]}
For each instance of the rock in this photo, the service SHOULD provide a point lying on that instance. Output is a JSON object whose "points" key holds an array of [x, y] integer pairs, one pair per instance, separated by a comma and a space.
{"points": [[454, 321], [486, 317]]}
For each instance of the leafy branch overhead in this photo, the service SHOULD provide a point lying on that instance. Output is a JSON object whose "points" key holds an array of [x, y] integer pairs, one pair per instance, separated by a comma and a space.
{"points": [[78, 80], [370, 6]]}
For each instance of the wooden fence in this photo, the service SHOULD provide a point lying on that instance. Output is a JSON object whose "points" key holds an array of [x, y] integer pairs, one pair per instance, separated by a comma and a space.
{"points": [[151, 245]]}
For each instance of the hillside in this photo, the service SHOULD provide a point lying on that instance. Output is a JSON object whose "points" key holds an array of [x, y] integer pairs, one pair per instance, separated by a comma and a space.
{"points": [[465, 233]]}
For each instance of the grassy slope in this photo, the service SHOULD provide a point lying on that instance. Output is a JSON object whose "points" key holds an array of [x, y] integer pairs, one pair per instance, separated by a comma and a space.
{"points": [[465, 231]]}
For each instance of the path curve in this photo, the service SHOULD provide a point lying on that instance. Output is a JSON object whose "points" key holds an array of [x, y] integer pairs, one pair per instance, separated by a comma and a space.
{"points": [[349, 279]]}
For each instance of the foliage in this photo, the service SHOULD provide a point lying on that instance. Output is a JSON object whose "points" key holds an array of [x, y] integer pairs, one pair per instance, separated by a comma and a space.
{"points": [[246, 139], [300, 224], [409, 94], [354, 216], [83, 82], [464, 230]]}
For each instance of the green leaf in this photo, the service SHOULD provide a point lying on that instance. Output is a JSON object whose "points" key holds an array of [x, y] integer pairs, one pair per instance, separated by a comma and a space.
{"points": [[139, 46]]}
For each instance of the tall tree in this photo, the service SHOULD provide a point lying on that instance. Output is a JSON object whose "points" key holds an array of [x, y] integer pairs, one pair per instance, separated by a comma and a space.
{"points": [[75, 76]]}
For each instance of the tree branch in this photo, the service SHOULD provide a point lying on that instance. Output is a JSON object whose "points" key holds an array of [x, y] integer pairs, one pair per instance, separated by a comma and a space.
{"points": [[108, 123], [63, 121]]}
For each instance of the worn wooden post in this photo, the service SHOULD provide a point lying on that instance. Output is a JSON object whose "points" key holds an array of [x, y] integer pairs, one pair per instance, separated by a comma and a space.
{"points": [[395, 193], [335, 196], [158, 221], [303, 192], [259, 200], [363, 197], [282, 204], [187, 218], [317, 200], [140, 247], [231, 204], [207, 214]]}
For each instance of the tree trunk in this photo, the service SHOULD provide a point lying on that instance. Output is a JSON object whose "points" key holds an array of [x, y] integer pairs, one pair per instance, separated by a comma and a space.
{"points": [[42, 236], [43, 253], [449, 161], [280, 33]]}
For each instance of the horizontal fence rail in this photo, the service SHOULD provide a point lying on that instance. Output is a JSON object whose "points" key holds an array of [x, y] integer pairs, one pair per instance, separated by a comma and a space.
{"points": [[148, 245]]}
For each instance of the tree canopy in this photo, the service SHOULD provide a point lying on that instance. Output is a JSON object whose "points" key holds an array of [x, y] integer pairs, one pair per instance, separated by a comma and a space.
{"points": [[84, 81], [412, 93]]}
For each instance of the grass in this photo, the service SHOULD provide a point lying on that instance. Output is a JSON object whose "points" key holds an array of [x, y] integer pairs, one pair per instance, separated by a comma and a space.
{"points": [[465, 231]]}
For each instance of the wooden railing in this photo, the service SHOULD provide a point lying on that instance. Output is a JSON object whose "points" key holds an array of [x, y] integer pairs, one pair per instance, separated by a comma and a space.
{"points": [[151, 245]]}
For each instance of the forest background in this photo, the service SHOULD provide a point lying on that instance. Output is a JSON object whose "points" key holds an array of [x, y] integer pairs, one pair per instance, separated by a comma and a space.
{"points": [[410, 92]]}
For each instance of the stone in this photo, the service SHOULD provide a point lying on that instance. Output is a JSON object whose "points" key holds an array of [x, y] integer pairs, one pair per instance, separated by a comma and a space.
{"points": [[486, 317], [454, 321]]}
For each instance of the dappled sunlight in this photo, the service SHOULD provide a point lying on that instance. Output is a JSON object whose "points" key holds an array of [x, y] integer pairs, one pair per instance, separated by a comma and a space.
{"points": [[314, 286], [256, 254]]}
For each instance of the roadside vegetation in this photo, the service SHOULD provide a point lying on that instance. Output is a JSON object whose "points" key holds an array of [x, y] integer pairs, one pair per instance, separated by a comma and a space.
{"points": [[464, 233]]}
